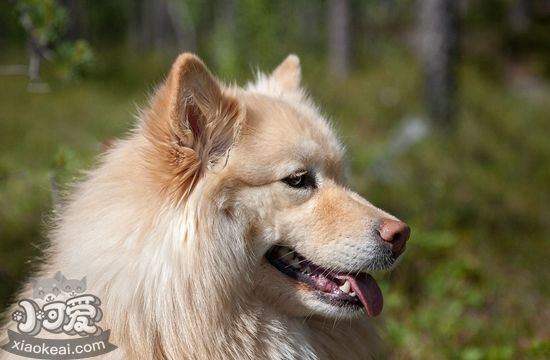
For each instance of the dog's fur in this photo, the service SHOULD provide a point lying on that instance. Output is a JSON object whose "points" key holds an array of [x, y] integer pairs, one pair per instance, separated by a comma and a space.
{"points": [[171, 228]]}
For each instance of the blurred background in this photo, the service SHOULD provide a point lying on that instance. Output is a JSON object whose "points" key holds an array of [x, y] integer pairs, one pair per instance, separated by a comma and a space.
{"points": [[444, 107]]}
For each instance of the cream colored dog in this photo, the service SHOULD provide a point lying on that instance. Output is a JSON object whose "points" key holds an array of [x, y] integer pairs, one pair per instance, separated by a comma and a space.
{"points": [[220, 228]]}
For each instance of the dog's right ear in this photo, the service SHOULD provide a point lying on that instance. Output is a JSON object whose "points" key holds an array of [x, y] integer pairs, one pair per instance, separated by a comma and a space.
{"points": [[203, 118], [194, 122], [288, 74]]}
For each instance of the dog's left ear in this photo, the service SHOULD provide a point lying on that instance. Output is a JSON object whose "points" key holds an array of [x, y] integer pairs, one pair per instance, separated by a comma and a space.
{"points": [[288, 74]]}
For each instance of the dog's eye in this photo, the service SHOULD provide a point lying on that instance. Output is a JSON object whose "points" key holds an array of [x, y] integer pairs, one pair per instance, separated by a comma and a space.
{"points": [[300, 179]]}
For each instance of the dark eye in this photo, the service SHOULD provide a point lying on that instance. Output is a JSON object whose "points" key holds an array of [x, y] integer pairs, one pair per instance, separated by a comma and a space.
{"points": [[300, 179]]}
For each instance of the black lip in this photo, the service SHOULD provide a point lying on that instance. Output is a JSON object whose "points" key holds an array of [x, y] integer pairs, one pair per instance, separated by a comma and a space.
{"points": [[333, 299]]}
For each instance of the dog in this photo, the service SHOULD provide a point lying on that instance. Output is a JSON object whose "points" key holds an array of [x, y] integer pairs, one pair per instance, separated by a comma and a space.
{"points": [[220, 227]]}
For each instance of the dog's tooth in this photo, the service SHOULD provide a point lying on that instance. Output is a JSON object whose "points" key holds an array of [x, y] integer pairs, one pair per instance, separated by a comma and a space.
{"points": [[352, 294], [346, 287], [287, 257], [295, 263], [308, 270]]}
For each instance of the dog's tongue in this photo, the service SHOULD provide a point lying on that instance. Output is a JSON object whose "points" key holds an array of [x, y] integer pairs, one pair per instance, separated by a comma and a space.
{"points": [[366, 288]]}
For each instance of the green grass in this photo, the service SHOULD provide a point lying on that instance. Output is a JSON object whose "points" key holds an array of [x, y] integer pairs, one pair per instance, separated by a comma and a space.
{"points": [[474, 282]]}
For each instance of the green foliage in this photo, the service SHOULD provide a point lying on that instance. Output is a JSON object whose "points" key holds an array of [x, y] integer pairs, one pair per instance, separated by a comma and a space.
{"points": [[45, 22], [75, 59], [47, 18]]}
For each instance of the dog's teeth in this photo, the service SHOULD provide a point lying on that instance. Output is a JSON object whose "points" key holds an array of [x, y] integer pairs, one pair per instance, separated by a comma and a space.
{"points": [[287, 257], [346, 287], [352, 294], [295, 263], [308, 270]]}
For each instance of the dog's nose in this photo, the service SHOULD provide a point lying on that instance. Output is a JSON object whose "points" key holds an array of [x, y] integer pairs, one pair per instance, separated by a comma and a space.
{"points": [[396, 233]]}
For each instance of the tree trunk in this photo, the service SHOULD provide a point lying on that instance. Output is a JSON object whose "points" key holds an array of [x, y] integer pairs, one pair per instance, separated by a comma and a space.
{"points": [[77, 17], [338, 37], [518, 15], [182, 24], [224, 52], [439, 52], [164, 26]]}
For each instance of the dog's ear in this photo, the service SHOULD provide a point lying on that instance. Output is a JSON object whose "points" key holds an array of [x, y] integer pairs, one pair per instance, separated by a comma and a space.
{"points": [[193, 123], [288, 74], [203, 118]]}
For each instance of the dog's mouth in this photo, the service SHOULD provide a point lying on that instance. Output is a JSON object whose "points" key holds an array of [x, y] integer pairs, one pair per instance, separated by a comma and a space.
{"points": [[343, 289]]}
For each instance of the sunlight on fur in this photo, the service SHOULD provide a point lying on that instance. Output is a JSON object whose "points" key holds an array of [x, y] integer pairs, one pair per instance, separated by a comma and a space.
{"points": [[221, 228]]}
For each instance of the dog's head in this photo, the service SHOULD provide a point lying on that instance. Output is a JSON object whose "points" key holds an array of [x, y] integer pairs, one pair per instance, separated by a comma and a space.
{"points": [[265, 155]]}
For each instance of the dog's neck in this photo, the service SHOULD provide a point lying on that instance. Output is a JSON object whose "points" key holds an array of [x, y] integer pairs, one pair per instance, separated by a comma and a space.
{"points": [[160, 295], [198, 311]]}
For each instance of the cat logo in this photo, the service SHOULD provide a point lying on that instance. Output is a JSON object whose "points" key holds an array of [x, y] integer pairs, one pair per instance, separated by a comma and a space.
{"points": [[59, 305]]}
